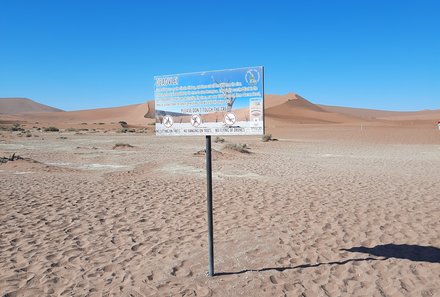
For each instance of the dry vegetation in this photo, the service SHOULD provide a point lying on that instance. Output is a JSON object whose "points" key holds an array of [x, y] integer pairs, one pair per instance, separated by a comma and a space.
{"points": [[122, 145], [238, 147], [219, 140], [267, 138], [51, 129]]}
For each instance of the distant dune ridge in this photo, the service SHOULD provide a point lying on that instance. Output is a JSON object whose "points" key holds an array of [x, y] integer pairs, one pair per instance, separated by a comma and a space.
{"points": [[23, 105], [384, 114], [279, 110], [295, 109]]}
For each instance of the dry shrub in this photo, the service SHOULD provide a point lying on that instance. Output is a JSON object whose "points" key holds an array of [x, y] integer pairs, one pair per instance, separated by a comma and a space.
{"points": [[51, 129], [219, 140], [122, 145], [238, 147], [267, 138]]}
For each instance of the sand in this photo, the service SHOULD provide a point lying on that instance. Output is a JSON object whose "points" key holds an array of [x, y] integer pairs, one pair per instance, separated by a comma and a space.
{"points": [[346, 203], [328, 210]]}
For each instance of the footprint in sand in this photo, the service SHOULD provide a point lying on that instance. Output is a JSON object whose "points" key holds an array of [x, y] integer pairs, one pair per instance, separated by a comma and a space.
{"points": [[129, 292], [273, 280], [150, 277], [284, 260], [181, 270], [136, 247]]}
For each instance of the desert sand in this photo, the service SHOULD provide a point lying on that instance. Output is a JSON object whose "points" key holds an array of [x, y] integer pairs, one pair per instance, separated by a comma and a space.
{"points": [[341, 205]]}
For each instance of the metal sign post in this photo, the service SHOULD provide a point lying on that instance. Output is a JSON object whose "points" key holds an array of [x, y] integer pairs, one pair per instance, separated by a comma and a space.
{"points": [[209, 204]]}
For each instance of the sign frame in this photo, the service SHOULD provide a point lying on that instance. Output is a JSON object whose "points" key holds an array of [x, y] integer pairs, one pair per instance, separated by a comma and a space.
{"points": [[228, 102]]}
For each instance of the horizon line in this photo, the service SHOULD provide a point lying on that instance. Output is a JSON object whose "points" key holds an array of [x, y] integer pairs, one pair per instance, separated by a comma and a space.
{"points": [[293, 93]]}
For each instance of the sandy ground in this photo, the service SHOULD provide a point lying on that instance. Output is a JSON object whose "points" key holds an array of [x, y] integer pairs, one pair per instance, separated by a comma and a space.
{"points": [[328, 211]]}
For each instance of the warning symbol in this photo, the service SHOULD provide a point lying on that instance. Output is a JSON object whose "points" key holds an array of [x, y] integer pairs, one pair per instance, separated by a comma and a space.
{"points": [[168, 121], [196, 120], [230, 118]]}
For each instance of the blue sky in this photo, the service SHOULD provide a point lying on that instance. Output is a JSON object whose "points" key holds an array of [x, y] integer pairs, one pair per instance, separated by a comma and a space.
{"points": [[87, 54]]}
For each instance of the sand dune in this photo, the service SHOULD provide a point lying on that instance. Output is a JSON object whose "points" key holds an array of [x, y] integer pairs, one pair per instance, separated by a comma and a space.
{"points": [[290, 107], [280, 110], [382, 114], [295, 111], [415, 116], [133, 114], [23, 105], [294, 99]]}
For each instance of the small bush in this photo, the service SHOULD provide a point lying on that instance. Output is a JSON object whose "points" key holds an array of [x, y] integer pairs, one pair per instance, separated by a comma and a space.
{"points": [[51, 129], [122, 130], [71, 130], [28, 135], [219, 140], [266, 137], [242, 148], [16, 127], [123, 124], [122, 145]]}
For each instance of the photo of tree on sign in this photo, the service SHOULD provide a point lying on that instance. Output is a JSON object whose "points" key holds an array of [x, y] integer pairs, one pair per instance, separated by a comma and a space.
{"points": [[228, 95]]}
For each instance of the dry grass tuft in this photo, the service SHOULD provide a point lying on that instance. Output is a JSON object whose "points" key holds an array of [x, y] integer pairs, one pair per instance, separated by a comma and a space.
{"points": [[238, 147], [51, 129], [219, 140], [122, 145]]}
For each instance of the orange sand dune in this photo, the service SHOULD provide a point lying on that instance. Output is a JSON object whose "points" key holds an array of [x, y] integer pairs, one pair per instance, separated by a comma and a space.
{"points": [[132, 114], [383, 114], [23, 105], [432, 116], [302, 111], [295, 99], [280, 110]]}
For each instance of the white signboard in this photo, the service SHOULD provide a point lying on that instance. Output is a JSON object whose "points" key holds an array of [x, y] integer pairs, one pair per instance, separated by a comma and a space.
{"points": [[224, 102]]}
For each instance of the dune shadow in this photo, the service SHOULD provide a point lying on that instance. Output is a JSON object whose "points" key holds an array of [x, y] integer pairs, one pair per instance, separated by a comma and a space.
{"points": [[298, 266], [402, 251]]}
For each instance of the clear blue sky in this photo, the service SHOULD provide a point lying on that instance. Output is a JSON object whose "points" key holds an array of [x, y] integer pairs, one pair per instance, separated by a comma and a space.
{"points": [[86, 54]]}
